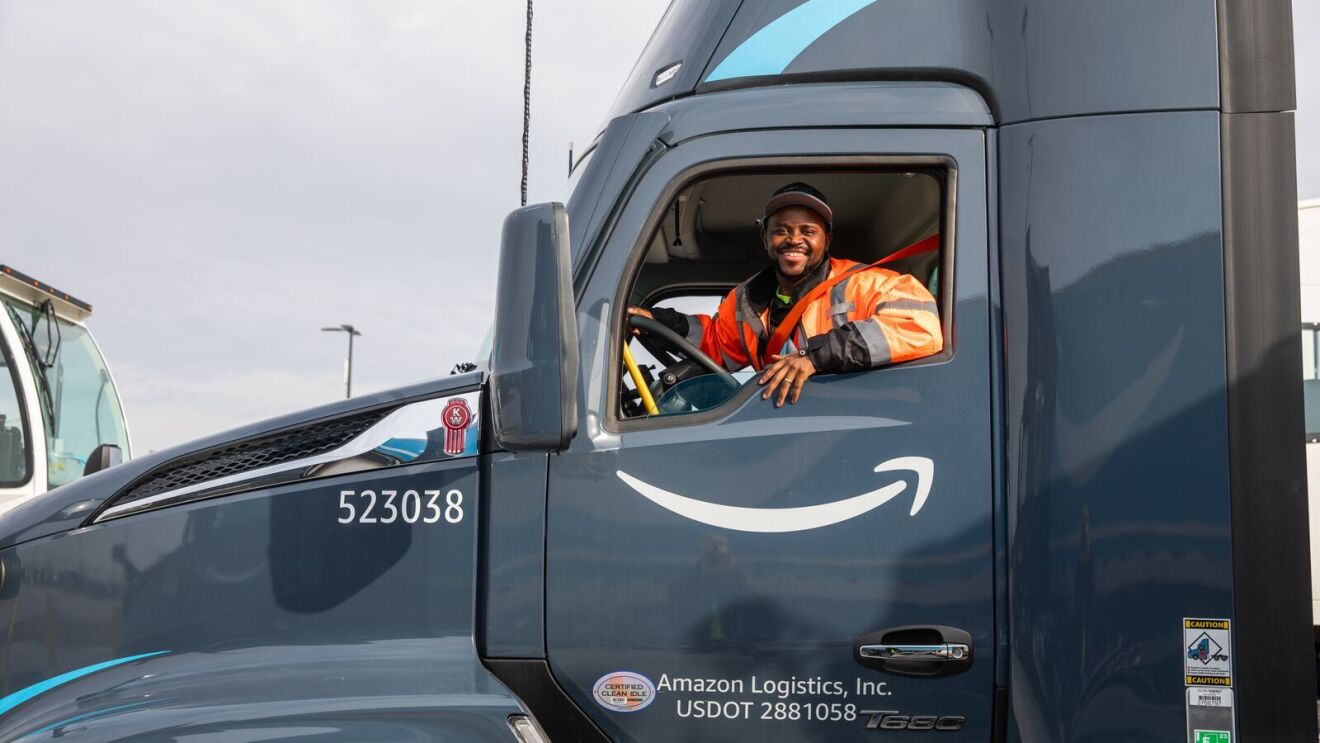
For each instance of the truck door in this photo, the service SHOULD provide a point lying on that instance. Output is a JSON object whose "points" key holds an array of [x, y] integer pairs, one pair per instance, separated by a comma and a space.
{"points": [[711, 574]]}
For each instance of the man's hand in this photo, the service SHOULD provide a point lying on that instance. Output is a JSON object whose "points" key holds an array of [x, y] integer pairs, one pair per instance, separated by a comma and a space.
{"points": [[640, 311], [787, 374]]}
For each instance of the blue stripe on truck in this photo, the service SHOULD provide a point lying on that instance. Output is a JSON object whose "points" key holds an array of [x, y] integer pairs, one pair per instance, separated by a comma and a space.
{"points": [[770, 50], [41, 687]]}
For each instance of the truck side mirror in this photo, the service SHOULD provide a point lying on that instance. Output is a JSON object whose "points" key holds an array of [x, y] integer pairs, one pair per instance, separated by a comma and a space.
{"points": [[534, 360], [103, 457]]}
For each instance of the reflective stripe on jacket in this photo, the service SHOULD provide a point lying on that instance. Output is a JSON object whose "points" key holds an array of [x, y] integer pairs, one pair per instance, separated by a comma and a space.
{"points": [[874, 317]]}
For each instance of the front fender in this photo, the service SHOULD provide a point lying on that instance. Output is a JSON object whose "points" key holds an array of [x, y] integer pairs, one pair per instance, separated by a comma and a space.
{"points": [[337, 601], [432, 689]]}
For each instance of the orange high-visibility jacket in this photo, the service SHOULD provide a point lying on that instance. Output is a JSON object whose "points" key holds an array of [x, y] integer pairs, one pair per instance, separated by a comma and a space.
{"points": [[876, 316]]}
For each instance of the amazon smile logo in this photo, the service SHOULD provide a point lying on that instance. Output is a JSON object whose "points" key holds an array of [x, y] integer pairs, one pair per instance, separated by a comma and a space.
{"points": [[776, 520]]}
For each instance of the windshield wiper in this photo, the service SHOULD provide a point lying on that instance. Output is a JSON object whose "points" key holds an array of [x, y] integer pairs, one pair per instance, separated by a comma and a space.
{"points": [[42, 365], [53, 337]]}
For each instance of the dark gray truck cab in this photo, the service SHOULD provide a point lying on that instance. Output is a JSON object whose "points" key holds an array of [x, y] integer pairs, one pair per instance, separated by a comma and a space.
{"points": [[1014, 539]]}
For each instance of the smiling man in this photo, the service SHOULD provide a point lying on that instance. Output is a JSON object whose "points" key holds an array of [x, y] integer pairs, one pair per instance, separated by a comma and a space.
{"points": [[871, 317]]}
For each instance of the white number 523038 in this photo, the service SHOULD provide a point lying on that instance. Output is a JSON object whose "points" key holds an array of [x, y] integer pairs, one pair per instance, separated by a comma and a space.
{"points": [[410, 507]]}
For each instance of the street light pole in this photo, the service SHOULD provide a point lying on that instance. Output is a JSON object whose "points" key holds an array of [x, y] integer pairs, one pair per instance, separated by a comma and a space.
{"points": [[348, 373]]}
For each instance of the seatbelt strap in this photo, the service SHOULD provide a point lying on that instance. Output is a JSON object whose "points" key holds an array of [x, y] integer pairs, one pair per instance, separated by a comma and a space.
{"points": [[785, 329]]}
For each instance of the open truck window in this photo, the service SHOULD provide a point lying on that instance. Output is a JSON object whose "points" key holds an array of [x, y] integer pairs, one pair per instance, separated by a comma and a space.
{"points": [[708, 239]]}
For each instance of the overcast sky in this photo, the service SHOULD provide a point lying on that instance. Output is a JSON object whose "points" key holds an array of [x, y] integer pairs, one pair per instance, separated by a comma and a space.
{"points": [[1306, 32], [221, 178]]}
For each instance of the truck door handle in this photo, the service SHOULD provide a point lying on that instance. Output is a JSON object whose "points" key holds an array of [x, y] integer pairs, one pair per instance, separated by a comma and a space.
{"points": [[916, 650], [934, 653]]}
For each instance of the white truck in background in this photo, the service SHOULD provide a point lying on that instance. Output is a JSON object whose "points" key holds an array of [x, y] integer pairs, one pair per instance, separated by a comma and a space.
{"points": [[60, 413], [1308, 248]]}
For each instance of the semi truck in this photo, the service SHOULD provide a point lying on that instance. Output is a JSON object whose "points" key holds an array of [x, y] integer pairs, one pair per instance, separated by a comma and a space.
{"points": [[1084, 519], [60, 413]]}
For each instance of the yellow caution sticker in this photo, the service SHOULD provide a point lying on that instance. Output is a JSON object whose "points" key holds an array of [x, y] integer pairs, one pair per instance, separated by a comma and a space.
{"points": [[1207, 651]]}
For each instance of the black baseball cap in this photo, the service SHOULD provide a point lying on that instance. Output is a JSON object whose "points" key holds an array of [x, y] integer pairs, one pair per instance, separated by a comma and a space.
{"points": [[799, 194]]}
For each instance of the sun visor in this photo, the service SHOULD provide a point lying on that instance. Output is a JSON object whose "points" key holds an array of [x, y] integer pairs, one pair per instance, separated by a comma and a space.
{"points": [[35, 293]]}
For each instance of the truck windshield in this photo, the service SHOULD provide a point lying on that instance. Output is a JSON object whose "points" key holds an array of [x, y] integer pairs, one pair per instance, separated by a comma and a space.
{"points": [[80, 407]]}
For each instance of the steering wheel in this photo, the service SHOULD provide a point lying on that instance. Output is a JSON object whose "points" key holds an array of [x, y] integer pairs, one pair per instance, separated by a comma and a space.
{"points": [[683, 346]]}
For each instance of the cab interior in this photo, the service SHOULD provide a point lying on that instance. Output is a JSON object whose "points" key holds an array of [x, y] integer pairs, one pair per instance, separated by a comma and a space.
{"points": [[707, 240], [709, 235]]}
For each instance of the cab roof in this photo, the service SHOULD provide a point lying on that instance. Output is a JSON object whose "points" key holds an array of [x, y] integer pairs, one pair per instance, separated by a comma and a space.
{"points": [[1029, 59], [34, 292]]}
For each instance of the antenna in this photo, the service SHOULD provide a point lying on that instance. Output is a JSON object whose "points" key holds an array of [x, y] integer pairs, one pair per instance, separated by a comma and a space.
{"points": [[527, 101]]}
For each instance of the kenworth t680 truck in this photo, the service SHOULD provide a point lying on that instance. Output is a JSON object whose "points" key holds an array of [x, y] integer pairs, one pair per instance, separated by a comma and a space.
{"points": [[1083, 520]]}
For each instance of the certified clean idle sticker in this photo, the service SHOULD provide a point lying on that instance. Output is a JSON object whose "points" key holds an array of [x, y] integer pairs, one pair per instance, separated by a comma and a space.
{"points": [[1207, 647], [624, 691]]}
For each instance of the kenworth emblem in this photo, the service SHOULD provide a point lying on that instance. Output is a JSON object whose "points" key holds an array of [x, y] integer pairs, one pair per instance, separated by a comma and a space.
{"points": [[456, 417]]}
